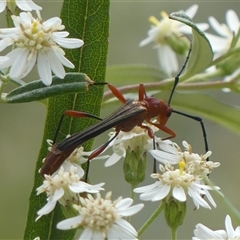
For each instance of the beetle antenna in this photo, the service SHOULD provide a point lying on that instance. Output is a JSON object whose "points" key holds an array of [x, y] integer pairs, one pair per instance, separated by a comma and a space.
{"points": [[178, 75]]}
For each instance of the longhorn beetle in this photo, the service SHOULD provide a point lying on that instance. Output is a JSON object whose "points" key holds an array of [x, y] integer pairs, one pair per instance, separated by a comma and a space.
{"points": [[132, 113]]}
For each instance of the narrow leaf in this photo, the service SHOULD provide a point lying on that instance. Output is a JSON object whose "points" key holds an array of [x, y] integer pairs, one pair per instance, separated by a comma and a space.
{"points": [[201, 55], [33, 91], [87, 20]]}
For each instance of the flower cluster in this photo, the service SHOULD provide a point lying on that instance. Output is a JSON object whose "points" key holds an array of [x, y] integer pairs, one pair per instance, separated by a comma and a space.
{"points": [[183, 173], [35, 42], [64, 187], [167, 37], [103, 218]]}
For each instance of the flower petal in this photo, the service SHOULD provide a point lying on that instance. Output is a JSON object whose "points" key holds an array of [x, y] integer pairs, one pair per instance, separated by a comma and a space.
{"points": [[68, 42], [55, 64], [114, 158], [167, 58], [165, 157], [218, 27], [59, 53], [46, 209], [232, 21], [124, 203], [126, 226], [192, 10], [59, 192], [70, 223], [3, 5], [229, 227], [179, 194], [131, 210]]}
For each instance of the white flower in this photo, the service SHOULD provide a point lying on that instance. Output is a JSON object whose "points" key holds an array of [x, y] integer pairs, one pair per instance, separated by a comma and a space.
{"points": [[168, 33], [137, 138], [221, 44], [203, 232], [25, 5], [172, 154], [63, 187], [102, 218], [177, 183], [37, 42]]}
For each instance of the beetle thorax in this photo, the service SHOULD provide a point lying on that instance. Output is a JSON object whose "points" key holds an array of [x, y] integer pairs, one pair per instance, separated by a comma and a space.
{"points": [[157, 107]]}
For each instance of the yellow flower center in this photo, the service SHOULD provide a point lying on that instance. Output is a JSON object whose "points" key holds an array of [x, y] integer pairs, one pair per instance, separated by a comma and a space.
{"points": [[153, 21], [181, 167]]}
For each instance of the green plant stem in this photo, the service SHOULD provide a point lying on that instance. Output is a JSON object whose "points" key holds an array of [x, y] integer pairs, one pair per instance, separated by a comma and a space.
{"points": [[167, 84], [3, 83], [132, 196], [174, 233], [151, 219]]}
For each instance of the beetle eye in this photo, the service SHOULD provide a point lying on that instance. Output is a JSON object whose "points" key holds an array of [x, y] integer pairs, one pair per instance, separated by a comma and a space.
{"points": [[168, 114]]}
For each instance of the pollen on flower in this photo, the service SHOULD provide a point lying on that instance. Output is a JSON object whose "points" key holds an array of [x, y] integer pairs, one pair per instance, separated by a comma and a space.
{"points": [[34, 36], [164, 14], [60, 180], [176, 177], [153, 20], [98, 214], [37, 42], [181, 166]]}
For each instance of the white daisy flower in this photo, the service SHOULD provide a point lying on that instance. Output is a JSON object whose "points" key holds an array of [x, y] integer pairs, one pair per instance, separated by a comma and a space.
{"points": [[203, 232], [138, 138], [64, 186], [177, 183], [167, 37], [25, 5], [172, 154], [103, 218], [37, 42], [221, 44]]}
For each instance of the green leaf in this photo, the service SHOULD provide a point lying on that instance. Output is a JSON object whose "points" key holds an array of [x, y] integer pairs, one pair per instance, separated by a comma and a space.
{"points": [[33, 91], [207, 107], [202, 54], [87, 20], [134, 74]]}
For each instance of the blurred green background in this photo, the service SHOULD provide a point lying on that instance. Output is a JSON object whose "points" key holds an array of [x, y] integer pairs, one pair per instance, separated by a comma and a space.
{"points": [[21, 127]]}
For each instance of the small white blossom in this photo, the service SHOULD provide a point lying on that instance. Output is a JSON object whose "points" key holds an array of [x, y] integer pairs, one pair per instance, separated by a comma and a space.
{"points": [[103, 218], [166, 30], [177, 183], [203, 232], [171, 153], [78, 156], [25, 5], [63, 186], [37, 42], [221, 44], [136, 138]]}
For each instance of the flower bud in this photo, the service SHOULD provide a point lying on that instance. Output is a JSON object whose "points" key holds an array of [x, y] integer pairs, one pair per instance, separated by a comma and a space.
{"points": [[179, 45], [174, 213], [134, 166]]}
